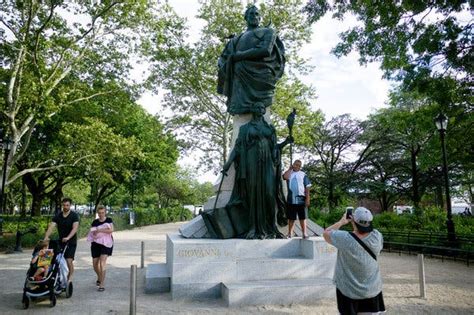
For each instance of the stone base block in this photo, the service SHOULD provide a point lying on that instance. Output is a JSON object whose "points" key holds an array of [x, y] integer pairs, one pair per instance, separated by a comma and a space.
{"points": [[303, 291], [274, 269], [196, 291], [245, 272], [157, 278]]}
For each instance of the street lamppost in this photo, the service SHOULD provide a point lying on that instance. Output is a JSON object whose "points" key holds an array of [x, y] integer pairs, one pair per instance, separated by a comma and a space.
{"points": [[441, 122]]}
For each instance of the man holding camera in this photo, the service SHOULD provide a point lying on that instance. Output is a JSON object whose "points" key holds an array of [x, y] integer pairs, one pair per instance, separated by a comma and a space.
{"points": [[357, 274]]}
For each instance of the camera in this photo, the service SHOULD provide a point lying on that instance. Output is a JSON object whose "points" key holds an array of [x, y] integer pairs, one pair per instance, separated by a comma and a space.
{"points": [[349, 212]]}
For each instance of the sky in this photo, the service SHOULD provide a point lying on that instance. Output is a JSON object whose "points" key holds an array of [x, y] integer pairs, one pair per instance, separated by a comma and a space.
{"points": [[342, 85]]}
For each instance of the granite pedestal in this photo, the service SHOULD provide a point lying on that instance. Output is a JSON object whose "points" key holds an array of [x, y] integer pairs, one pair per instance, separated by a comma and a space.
{"points": [[245, 272]]}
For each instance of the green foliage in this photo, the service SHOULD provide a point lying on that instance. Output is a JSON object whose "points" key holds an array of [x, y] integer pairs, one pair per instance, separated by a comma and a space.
{"points": [[325, 219], [121, 222], [430, 219], [329, 168], [163, 215], [182, 188]]}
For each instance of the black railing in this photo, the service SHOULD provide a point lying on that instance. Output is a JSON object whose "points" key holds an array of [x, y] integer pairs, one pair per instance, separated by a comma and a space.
{"points": [[430, 243]]}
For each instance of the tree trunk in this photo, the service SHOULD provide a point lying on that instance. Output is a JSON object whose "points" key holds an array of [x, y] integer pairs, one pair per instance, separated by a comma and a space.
{"points": [[57, 195], [384, 201], [331, 201], [36, 204], [439, 196], [36, 189]]}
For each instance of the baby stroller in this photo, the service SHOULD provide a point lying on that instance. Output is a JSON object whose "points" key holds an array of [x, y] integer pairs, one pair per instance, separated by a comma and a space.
{"points": [[54, 283]]}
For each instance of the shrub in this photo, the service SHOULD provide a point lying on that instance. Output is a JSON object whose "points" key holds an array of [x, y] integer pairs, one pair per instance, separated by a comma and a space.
{"points": [[429, 219], [164, 215]]}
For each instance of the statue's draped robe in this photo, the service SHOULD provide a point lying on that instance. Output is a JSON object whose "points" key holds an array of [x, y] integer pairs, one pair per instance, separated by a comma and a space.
{"points": [[247, 82], [255, 186]]}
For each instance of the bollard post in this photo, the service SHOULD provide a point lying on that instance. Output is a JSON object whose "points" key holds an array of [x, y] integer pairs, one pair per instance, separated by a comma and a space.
{"points": [[421, 272], [133, 289], [142, 260]]}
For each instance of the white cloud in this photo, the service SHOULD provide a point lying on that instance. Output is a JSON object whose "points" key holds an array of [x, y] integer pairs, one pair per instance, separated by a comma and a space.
{"points": [[342, 85]]}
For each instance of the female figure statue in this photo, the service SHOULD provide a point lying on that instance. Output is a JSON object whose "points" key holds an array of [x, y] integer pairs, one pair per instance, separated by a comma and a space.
{"points": [[254, 156]]}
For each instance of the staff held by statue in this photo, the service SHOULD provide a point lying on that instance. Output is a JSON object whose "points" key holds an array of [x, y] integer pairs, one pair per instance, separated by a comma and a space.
{"points": [[290, 120]]}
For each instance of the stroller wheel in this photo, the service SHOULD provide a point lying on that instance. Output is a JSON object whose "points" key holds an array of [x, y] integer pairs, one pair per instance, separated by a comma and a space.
{"points": [[25, 301], [69, 290], [52, 300]]}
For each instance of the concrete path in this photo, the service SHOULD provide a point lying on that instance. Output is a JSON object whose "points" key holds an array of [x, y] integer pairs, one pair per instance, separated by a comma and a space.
{"points": [[450, 285]]}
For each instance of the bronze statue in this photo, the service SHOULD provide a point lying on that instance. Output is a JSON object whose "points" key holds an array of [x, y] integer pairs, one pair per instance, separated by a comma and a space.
{"points": [[250, 66], [255, 155], [249, 69]]}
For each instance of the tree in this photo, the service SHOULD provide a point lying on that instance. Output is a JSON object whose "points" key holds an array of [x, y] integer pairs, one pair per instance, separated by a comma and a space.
{"points": [[53, 52], [181, 188], [427, 44], [379, 176], [188, 71], [333, 143]]}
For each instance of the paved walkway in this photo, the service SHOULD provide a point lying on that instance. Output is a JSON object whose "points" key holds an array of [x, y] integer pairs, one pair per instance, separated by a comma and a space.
{"points": [[450, 285]]}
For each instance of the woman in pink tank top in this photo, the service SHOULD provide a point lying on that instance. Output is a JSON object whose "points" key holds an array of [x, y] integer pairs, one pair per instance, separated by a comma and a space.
{"points": [[102, 244]]}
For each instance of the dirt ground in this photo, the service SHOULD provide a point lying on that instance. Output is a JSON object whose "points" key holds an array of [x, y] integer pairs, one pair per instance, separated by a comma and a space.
{"points": [[449, 285]]}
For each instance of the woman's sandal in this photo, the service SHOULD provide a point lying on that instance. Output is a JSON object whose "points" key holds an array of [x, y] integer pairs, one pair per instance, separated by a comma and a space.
{"points": [[101, 289], [97, 283]]}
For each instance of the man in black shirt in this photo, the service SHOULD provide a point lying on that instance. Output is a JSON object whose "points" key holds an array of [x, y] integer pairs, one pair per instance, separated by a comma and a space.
{"points": [[67, 222]]}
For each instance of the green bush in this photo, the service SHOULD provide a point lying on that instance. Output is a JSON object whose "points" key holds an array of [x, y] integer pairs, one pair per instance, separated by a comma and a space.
{"points": [[325, 219], [145, 217], [429, 219], [32, 228], [28, 240]]}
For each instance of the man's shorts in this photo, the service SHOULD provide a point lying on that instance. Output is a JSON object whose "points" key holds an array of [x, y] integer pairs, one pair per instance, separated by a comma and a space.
{"points": [[98, 249], [70, 251], [296, 210]]}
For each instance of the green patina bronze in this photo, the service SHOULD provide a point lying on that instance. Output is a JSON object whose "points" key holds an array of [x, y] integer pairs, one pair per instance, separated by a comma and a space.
{"points": [[250, 66], [255, 188]]}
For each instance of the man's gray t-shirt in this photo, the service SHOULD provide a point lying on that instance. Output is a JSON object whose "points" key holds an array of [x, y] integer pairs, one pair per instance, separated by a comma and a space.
{"points": [[357, 274]]}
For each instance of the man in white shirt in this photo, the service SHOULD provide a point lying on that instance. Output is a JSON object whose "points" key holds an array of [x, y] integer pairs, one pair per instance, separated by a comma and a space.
{"points": [[298, 196]]}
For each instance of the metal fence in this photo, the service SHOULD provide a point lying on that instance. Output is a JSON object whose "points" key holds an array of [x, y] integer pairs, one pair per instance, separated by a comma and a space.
{"points": [[430, 243]]}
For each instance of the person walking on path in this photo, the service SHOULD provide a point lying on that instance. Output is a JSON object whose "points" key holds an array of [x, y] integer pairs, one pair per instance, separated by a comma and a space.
{"points": [[67, 223], [357, 274], [102, 244], [298, 196]]}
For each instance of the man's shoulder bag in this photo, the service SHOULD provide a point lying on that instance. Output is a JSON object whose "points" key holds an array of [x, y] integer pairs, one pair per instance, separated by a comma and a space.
{"points": [[371, 253]]}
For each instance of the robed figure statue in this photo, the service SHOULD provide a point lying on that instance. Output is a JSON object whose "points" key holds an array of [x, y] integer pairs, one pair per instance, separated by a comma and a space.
{"points": [[250, 66]]}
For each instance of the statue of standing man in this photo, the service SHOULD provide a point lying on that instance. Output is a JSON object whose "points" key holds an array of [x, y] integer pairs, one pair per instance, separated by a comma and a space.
{"points": [[250, 66]]}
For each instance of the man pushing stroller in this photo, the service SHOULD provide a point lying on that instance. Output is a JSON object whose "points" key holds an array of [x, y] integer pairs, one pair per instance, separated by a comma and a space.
{"points": [[67, 223]]}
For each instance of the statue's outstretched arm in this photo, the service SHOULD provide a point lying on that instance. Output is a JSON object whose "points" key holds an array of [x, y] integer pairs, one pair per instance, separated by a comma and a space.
{"points": [[231, 159], [288, 140]]}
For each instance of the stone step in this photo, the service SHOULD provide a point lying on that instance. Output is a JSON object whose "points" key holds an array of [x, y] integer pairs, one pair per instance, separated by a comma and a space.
{"points": [[279, 269], [157, 278], [303, 291], [312, 229]]}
